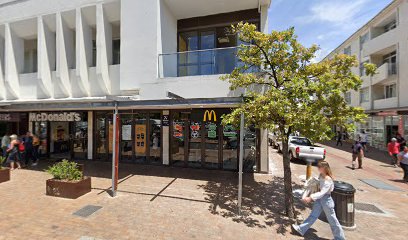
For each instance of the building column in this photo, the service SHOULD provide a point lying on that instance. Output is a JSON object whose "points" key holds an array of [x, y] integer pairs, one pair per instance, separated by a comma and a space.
{"points": [[90, 135], [166, 138], [264, 161]]}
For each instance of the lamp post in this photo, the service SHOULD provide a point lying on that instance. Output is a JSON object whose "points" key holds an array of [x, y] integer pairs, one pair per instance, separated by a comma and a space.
{"points": [[115, 151], [241, 161], [309, 163]]}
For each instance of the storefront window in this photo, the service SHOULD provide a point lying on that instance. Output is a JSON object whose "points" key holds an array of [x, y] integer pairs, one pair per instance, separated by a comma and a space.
{"points": [[101, 144], [155, 137], [80, 138], [378, 137], [250, 149], [194, 150], [141, 140], [230, 148], [211, 145], [126, 138], [178, 138], [41, 131]]}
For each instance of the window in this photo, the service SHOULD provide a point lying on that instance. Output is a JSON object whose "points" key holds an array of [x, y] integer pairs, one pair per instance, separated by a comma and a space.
{"points": [[347, 97], [364, 95], [116, 51], [363, 40], [390, 26], [391, 59], [391, 91], [362, 68], [347, 50]]}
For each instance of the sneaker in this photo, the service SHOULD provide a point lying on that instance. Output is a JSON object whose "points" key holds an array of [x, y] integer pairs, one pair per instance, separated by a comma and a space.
{"points": [[34, 164], [296, 230]]}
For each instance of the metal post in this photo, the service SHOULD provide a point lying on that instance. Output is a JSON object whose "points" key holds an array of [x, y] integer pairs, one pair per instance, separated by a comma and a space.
{"points": [[241, 162], [308, 169], [115, 151]]}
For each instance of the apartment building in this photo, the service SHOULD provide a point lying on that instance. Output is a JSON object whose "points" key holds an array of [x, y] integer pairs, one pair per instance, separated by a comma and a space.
{"points": [[384, 42], [65, 65]]}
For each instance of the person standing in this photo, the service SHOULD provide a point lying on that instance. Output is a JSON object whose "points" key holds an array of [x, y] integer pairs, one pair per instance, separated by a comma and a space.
{"points": [[13, 152], [36, 148], [5, 142], [322, 202], [357, 153], [28, 149], [339, 138], [393, 150], [364, 140], [401, 140], [403, 162]]}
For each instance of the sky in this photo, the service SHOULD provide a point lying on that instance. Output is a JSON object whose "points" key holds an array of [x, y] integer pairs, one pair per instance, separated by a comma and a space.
{"points": [[326, 23]]}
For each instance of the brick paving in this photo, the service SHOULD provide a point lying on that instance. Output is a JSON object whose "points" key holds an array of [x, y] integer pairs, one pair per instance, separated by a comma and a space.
{"points": [[175, 203]]}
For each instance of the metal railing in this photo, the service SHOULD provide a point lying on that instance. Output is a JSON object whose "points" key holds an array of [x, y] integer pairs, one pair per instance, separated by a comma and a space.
{"points": [[201, 62]]}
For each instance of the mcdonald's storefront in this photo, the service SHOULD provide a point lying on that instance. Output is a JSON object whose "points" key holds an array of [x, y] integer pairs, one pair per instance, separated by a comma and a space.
{"points": [[163, 133]]}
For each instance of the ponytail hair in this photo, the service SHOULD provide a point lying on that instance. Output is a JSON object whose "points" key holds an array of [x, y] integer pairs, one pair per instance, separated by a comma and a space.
{"points": [[325, 165]]}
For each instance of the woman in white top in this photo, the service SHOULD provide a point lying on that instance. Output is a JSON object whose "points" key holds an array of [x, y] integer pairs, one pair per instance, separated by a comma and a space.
{"points": [[322, 202]]}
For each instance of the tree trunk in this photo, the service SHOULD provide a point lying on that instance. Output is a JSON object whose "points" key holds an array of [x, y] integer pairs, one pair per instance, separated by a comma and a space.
{"points": [[290, 210]]}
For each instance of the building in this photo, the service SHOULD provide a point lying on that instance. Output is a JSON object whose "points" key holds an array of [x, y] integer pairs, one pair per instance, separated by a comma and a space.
{"points": [[64, 65], [384, 42]]}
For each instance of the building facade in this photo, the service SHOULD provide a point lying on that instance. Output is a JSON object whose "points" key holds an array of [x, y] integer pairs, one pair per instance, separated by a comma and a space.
{"points": [[383, 41], [65, 65]]}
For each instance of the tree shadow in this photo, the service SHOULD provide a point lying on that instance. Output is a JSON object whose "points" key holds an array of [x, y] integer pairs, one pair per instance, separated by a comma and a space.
{"points": [[262, 202]]}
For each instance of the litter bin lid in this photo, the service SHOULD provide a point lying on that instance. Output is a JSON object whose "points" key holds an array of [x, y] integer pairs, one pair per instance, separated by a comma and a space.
{"points": [[344, 187]]}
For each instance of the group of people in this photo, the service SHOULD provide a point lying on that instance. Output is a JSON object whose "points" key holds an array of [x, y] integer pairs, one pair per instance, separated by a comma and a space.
{"points": [[398, 151], [20, 149]]}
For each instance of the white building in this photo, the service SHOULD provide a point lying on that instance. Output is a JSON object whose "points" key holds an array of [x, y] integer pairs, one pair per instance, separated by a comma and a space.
{"points": [[63, 61], [384, 42]]}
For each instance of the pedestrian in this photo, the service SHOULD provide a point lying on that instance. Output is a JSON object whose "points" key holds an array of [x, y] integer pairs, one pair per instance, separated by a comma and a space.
{"points": [[13, 152], [393, 150], [322, 202], [28, 149], [5, 142], [401, 140], [403, 163], [357, 153], [364, 140], [36, 149], [339, 138]]}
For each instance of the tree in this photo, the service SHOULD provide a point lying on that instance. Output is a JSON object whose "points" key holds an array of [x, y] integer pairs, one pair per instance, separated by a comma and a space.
{"points": [[287, 91]]}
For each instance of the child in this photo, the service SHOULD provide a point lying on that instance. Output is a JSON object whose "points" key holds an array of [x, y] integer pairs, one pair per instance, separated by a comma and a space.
{"points": [[322, 202]]}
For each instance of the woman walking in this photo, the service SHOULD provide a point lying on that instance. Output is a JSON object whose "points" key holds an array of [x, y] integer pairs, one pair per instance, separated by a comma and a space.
{"points": [[13, 151], [322, 202]]}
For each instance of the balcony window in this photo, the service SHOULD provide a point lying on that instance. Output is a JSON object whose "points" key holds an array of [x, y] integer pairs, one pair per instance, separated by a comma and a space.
{"points": [[347, 50], [392, 25], [362, 68], [363, 39], [116, 51], [391, 91], [347, 97], [30, 56], [364, 95], [391, 59]]}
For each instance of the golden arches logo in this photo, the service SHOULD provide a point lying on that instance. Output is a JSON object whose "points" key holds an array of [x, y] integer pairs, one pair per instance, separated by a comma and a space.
{"points": [[210, 115]]}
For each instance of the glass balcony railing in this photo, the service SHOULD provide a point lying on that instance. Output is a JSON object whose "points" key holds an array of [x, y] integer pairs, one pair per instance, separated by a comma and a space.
{"points": [[202, 62], [392, 68]]}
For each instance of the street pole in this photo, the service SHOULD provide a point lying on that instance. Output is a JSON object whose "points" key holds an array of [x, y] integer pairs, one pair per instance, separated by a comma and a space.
{"points": [[241, 162], [308, 169], [115, 151]]}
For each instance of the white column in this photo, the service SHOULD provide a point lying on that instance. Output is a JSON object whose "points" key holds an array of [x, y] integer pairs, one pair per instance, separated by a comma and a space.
{"points": [[103, 49], [166, 141], [264, 19], [14, 63], [90, 135], [83, 54], [46, 53], [264, 161], [2, 86]]}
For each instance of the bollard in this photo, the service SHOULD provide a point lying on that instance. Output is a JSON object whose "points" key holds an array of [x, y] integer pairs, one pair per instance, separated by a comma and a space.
{"points": [[309, 168]]}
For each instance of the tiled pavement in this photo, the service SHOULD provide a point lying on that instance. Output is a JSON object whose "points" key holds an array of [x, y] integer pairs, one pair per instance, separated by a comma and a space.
{"points": [[175, 203]]}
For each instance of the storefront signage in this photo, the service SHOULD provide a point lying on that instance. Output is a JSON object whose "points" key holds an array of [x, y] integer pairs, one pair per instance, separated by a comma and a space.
{"points": [[9, 117], [166, 120], [211, 130], [230, 131], [55, 117], [389, 113], [210, 116], [140, 138]]}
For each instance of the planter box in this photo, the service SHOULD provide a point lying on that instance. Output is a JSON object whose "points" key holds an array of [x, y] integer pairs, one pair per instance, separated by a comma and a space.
{"points": [[71, 190], [4, 175]]}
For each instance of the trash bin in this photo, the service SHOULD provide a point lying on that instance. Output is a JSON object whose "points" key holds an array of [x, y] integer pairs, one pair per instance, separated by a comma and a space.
{"points": [[343, 197]]}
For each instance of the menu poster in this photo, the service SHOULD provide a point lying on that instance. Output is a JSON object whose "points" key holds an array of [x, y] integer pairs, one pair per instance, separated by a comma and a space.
{"points": [[127, 133], [140, 139]]}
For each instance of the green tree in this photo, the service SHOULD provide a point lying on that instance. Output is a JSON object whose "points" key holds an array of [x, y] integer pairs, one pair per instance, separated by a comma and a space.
{"points": [[290, 92]]}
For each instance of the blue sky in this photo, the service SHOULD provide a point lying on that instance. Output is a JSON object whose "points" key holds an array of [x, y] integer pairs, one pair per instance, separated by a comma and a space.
{"points": [[324, 22]]}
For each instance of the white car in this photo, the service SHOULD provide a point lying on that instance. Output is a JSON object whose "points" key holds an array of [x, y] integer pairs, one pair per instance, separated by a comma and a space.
{"points": [[303, 149]]}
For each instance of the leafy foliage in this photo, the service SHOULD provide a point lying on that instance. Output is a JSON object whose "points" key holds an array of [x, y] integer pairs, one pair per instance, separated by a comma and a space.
{"points": [[65, 170], [2, 160], [290, 92]]}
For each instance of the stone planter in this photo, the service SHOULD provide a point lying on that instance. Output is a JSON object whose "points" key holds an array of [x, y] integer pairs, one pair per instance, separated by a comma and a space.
{"points": [[71, 190], [4, 175]]}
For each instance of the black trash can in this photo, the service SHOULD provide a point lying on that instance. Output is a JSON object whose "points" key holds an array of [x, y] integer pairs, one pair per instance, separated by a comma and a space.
{"points": [[343, 197]]}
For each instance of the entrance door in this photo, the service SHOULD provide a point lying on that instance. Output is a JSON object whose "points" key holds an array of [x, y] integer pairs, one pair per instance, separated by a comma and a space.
{"points": [[211, 145], [60, 140]]}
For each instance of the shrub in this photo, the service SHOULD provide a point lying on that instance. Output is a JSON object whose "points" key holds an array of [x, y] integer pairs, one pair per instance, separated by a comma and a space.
{"points": [[65, 170], [2, 160]]}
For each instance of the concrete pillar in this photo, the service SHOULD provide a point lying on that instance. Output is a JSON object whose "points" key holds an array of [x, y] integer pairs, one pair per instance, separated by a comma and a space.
{"points": [[90, 135], [264, 161], [166, 141]]}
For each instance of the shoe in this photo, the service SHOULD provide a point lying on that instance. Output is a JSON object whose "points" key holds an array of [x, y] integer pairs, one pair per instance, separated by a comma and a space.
{"points": [[395, 165], [353, 167], [296, 230], [34, 164], [360, 167]]}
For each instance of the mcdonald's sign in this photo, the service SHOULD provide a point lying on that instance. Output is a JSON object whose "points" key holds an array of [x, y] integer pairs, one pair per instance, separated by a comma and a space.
{"points": [[210, 116]]}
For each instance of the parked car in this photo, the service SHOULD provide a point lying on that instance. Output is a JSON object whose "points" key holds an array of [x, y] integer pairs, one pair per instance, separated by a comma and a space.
{"points": [[303, 149]]}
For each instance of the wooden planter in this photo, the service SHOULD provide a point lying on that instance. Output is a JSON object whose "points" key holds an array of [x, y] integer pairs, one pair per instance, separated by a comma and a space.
{"points": [[71, 190], [4, 175]]}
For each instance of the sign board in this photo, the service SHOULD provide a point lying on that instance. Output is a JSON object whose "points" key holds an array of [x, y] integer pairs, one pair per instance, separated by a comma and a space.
{"points": [[140, 138], [127, 133], [9, 117], [166, 120], [210, 116], [55, 117]]}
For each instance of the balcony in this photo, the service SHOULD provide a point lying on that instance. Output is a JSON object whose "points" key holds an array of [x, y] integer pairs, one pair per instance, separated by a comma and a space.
{"points": [[198, 63], [384, 72], [383, 41], [386, 103]]}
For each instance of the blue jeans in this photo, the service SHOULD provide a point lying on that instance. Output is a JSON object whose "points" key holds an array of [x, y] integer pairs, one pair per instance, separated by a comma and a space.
{"points": [[325, 204]]}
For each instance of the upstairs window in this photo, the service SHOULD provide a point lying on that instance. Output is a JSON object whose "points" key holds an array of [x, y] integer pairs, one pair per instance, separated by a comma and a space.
{"points": [[391, 91], [347, 50], [363, 39], [347, 97], [364, 95], [390, 26]]}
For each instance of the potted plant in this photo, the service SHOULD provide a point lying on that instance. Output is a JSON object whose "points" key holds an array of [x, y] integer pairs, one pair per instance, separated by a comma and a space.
{"points": [[68, 181], [4, 172]]}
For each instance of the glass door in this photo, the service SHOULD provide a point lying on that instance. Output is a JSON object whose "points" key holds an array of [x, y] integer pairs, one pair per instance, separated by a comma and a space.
{"points": [[126, 149], [80, 138], [141, 137], [178, 141], [211, 145], [194, 143], [230, 147], [155, 138]]}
